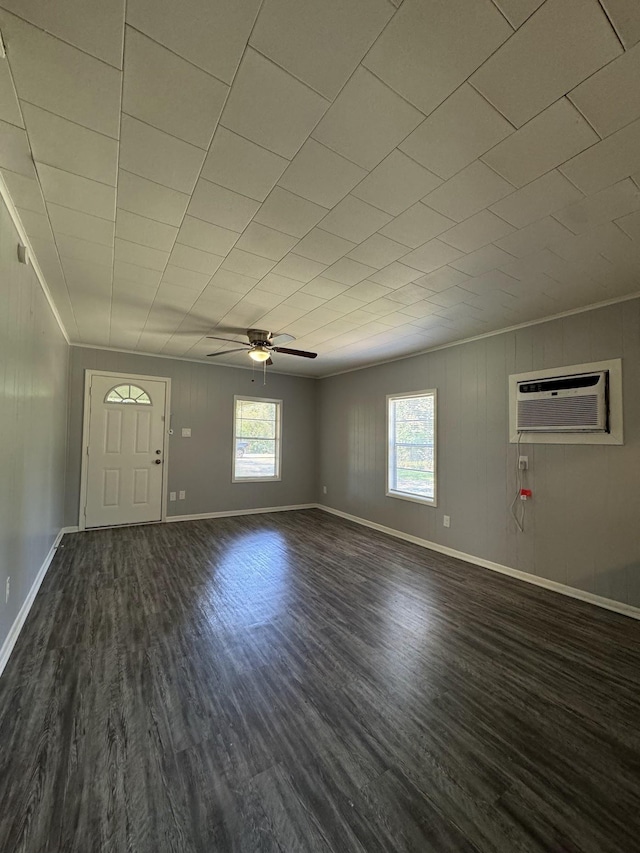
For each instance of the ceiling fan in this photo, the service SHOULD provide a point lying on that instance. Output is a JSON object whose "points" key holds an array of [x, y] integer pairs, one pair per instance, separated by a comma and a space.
{"points": [[261, 344]]}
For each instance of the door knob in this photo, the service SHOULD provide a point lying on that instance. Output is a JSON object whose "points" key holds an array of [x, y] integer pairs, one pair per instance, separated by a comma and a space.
{"points": [[158, 461]]}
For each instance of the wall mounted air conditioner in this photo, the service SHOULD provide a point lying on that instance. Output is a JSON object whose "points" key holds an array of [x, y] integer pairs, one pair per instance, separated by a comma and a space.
{"points": [[576, 403]]}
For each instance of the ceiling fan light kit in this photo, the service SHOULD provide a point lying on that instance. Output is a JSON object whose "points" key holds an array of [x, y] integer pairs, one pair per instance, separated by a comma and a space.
{"points": [[259, 353]]}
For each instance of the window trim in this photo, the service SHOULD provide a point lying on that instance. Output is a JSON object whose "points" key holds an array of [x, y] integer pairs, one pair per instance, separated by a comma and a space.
{"points": [[279, 407], [390, 493]]}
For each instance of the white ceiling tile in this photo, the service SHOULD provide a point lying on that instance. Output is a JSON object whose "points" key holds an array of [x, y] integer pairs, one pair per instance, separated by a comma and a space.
{"points": [[378, 251], [194, 259], [289, 32], [624, 14], [289, 213], [86, 276], [165, 91], [443, 278], [36, 225], [630, 224], [272, 283], [611, 203], [14, 150], [517, 11], [146, 232], [610, 99], [321, 175], [270, 107], [135, 273], [146, 198], [279, 318], [142, 256], [541, 197], [305, 300], [153, 154], [347, 271], [395, 275], [616, 157], [354, 220], [557, 134], [71, 147], [181, 277], [299, 268], [76, 192], [322, 246], [432, 255], [489, 282], [381, 307], [9, 108], [247, 264], [409, 294], [428, 50], [451, 296], [46, 72], [94, 26], [539, 64], [227, 280], [266, 242], [532, 237], [211, 35], [468, 192], [344, 303], [241, 165], [477, 231], [324, 288], [419, 309], [205, 236], [77, 224], [24, 191], [221, 206], [416, 225], [366, 121], [460, 130], [396, 184], [482, 260]]}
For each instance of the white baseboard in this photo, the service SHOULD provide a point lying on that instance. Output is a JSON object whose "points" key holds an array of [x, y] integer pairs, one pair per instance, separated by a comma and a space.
{"points": [[21, 618], [563, 589], [231, 512]]}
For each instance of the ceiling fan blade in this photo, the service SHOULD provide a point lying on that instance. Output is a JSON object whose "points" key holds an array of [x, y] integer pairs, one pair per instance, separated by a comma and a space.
{"points": [[269, 361], [225, 352], [295, 352], [281, 339], [227, 340]]}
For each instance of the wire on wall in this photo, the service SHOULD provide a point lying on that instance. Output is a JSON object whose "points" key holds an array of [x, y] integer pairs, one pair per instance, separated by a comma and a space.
{"points": [[518, 517]]}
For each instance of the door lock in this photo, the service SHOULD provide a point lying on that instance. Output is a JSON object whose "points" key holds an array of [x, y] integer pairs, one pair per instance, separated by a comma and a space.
{"points": [[158, 461], [158, 452]]}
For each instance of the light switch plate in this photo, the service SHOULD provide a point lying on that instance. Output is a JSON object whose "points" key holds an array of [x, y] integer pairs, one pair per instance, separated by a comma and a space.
{"points": [[186, 432]]}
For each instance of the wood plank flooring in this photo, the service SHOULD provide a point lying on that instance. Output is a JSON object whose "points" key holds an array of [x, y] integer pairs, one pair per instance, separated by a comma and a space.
{"points": [[294, 682]]}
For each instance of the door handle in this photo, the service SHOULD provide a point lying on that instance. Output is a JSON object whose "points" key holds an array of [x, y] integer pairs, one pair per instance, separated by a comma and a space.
{"points": [[158, 452], [158, 461]]}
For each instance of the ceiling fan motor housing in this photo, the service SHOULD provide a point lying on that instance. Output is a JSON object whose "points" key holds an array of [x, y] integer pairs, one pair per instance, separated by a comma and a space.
{"points": [[259, 337]]}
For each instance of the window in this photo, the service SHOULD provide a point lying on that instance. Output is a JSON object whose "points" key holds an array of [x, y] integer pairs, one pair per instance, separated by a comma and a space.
{"points": [[411, 429], [128, 394], [256, 439]]}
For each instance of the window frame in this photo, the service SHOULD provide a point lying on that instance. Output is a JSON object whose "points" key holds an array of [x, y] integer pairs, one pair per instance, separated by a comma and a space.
{"points": [[278, 440], [405, 496]]}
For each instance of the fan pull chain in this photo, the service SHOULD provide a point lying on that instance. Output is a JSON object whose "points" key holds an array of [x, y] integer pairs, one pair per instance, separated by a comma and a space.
{"points": [[264, 367]]}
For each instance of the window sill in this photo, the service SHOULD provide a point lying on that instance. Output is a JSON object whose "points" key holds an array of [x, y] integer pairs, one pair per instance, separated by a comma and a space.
{"points": [[413, 498], [256, 479]]}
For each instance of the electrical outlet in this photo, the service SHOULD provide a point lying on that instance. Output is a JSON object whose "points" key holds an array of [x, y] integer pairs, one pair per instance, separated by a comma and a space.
{"points": [[7, 591], [446, 520], [523, 463], [186, 432], [172, 496], [324, 490], [182, 495]]}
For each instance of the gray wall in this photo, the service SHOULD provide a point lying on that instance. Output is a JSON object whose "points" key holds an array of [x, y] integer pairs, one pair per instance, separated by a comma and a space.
{"points": [[583, 525], [33, 411], [202, 398]]}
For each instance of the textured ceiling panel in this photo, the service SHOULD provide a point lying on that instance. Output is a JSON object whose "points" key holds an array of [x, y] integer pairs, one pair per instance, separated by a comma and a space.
{"points": [[372, 178]]}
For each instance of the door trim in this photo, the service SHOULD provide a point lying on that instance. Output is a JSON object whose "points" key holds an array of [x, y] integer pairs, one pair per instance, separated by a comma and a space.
{"points": [[84, 471]]}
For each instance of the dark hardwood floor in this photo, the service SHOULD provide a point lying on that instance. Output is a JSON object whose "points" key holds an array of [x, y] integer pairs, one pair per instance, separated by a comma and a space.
{"points": [[294, 682]]}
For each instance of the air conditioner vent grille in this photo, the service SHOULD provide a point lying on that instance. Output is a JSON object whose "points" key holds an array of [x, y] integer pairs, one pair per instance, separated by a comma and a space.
{"points": [[567, 412]]}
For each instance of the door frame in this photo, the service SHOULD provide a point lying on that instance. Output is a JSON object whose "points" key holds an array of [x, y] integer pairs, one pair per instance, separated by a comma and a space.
{"points": [[89, 373]]}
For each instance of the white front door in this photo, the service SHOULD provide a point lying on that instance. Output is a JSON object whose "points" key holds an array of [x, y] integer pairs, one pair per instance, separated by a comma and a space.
{"points": [[125, 450]]}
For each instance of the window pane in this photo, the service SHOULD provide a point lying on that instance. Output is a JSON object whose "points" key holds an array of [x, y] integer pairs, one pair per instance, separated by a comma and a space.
{"points": [[128, 394], [257, 444], [412, 446]]}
